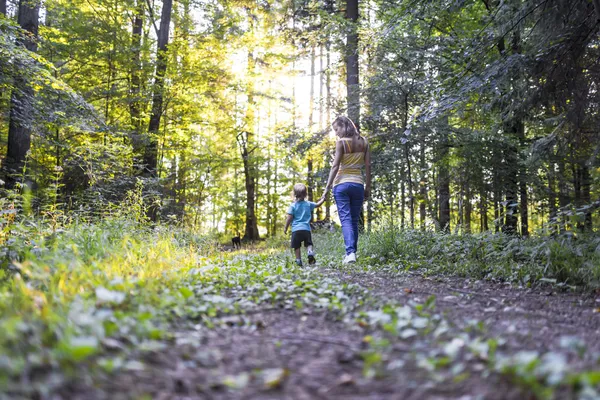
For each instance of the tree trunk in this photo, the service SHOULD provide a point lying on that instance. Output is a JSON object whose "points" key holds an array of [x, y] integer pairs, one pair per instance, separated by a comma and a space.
{"points": [[563, 192], [311, 120], [21, 109], [444, 182], [151, 149], [515, 174], [423, 187], [483, 209], [275, 196], [328, 115], [135, 104], [248, 146], [402, 200], [586, 195], [468, 206], [411, 197], [3, 7], [352, 73], [552, 211], [321, 88]]}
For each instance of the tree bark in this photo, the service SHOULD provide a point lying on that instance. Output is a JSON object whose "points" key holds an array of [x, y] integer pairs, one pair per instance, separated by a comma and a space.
{"points": [[21, 109], [444, 182], [151, 149], [352, 72], [586, 195], [311, 120], [3, 7], [423, 186], [483, 210], [135, 104], [328, 115], [248, 146]]}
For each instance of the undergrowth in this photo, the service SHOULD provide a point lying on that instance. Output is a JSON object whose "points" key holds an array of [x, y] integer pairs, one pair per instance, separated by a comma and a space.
{"points": [[74, 297], [564, 260]]}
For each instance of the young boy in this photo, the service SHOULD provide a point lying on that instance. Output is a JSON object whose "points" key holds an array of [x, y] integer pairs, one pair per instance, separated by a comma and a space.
{"points": [[298, 215]]}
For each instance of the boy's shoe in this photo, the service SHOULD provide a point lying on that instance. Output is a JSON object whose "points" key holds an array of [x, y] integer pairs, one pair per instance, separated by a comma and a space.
{"points": [[311, 259], [299, 263], [350, 258]]}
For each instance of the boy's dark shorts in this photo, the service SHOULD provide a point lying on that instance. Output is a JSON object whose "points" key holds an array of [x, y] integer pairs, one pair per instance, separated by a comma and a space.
{"points": [[301, 236]]}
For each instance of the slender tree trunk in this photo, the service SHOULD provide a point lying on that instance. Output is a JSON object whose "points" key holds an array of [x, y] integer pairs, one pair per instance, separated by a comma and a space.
{"points": [[248, 146], [514, 171], [423, 187], [586, 195], [321, 88], [135, 103], [352, 71], [151, 149], [411, 197], [510, 189], [392, 189], [275, 188], [483, 208], [21, 108], [402, 202], [3, 7], [311, 120], [563, 193], [444, 181]]}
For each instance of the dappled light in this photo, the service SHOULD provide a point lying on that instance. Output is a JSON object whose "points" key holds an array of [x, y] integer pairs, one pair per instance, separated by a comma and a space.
{"points": [[299, 199]]}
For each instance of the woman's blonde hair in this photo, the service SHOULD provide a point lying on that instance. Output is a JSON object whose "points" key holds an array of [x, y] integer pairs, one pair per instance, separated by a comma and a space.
{"points": [[300, 191], [348, 127]]}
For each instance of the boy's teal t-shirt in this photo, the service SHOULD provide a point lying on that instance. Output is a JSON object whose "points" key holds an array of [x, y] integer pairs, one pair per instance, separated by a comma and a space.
{"points": [[301, 210]]}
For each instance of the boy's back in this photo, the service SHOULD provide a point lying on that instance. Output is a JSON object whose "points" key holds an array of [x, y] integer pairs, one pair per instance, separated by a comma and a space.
{"points": [[301, 211]]}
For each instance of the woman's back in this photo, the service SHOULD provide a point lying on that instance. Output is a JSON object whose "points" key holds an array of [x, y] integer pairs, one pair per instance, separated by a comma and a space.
{"points": [[352, 161]]}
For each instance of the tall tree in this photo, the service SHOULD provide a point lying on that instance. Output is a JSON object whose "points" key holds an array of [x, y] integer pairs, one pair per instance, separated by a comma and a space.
{"points": [[151, 148], [21, 109], [135, 105], [352, 71]]}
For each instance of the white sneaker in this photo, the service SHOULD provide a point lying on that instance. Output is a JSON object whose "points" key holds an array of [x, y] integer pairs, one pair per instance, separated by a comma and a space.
{"points": [[350, 258]]}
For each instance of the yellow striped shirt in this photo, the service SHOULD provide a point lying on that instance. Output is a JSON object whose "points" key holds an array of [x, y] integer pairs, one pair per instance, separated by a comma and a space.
{"points": [[351, 166]]}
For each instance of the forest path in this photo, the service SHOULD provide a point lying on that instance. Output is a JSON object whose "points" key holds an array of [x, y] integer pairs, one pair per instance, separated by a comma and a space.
{"points": [[438, 348]]}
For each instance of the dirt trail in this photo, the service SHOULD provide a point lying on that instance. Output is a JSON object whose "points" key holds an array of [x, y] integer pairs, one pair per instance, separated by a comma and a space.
{"points": [[532, 319], [287, 354]]}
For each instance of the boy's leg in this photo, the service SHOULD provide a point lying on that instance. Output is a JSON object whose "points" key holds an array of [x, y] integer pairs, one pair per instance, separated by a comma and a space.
{"points": [[295, 244], [309, 248]]}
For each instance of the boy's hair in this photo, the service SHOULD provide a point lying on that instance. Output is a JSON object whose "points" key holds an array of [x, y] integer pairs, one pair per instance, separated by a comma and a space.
{"points": [[300, 191], [348, 127]]}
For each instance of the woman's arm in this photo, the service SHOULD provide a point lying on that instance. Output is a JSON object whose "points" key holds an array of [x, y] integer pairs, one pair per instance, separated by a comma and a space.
{"points": [[367, 170], [339, 152]]}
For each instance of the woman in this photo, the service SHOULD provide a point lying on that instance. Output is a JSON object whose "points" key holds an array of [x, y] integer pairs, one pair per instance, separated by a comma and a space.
{"points": [[349, 188]]}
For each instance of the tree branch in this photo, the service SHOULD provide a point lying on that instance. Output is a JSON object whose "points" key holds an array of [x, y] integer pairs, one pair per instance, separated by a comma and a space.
{"points": [[152, 17]]}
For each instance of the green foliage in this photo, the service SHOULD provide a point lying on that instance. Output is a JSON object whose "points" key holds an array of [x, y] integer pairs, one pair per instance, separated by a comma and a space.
{"points": [[562, 259]]}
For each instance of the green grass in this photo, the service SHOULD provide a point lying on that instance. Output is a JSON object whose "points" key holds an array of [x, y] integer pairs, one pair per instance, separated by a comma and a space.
{"points": [[70, 293]]}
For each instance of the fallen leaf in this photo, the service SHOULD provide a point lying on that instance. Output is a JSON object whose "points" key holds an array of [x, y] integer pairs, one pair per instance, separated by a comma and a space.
{"points": [[408, 290], [345, 379], [239, 381], [274, 377]]}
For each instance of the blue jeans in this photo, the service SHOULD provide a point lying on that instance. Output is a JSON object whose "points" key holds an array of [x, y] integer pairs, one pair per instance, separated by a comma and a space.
{"points": [[349, 199]]}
